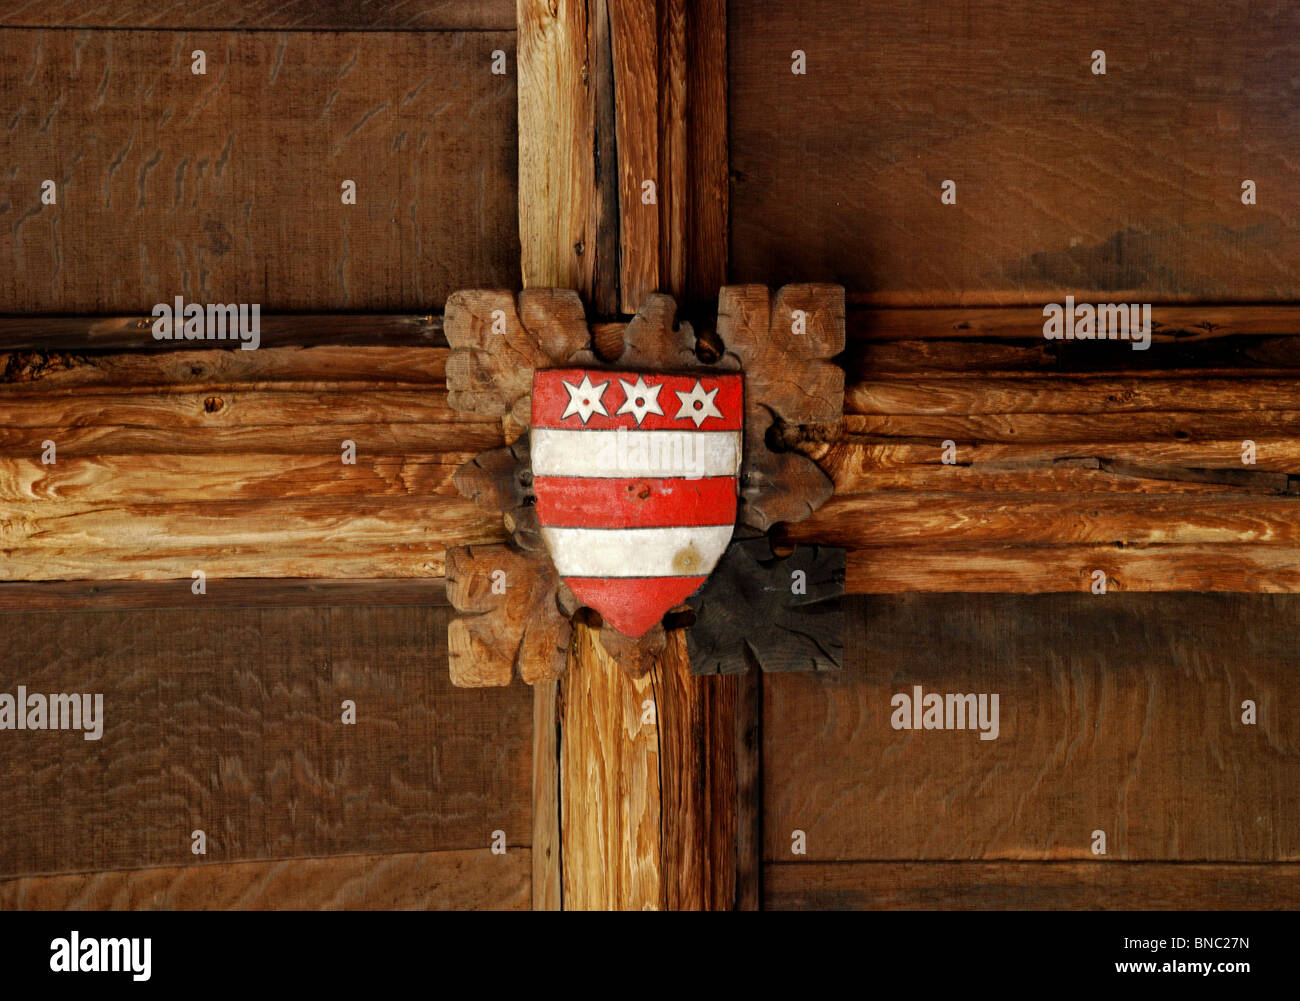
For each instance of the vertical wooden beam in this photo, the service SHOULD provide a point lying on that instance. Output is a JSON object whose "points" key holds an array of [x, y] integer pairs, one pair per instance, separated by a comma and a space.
{"points": [[674, 168], [610, 775], [656, 777], [708, 178], [547, 894], [634, 34], [557, 191]]}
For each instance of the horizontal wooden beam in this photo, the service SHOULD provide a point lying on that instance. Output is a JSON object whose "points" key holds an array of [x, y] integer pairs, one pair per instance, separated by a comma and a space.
{"points": [[464, 880], [230, 461], [1024, 886], [69, 596]]}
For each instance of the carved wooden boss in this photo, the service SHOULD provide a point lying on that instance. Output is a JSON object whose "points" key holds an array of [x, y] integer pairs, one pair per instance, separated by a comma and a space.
{"points": [[645, 456]]}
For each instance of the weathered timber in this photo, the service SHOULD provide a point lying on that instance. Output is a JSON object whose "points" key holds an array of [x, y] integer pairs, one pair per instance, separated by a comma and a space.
{"points": [[126, 131], [788, 378], [296, 15], [1043, 569], [509, 622], [496, 346], [465, 880], [838, 172], [228, 720], [1031, 886], [68, 596], [85, 334], [1118, 712], [635, 46]]}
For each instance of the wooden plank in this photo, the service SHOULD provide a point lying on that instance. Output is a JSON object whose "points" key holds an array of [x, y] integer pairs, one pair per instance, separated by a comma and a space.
{"points": [[159, 170], [345, 368], [1171, 324], [706, 135], [277, 330], [1046, 569], [858, 468], [68, 596], [547, 878], [673, 173], [228, 720], [206, 479], [297, 15], [610, 781], [401, 439], [1024, 518], [312, 537], [557, 186], [1069, 395], [1023, 886], [635, 45], [1120, 713], [1162, 430], [838, 171], [466, 880]]}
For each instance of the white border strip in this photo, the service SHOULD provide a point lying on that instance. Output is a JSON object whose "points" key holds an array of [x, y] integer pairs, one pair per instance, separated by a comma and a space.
{"points": [[636, 552], [620, 452]]}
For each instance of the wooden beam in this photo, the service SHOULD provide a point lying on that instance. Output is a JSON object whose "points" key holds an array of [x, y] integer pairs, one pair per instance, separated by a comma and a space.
{"points": [[557, 187], [1031, 886], [465, 880]]}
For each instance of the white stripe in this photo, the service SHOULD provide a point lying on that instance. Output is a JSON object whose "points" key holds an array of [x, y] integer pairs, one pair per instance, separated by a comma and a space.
{"points": [[636, 552], [620, 452]]}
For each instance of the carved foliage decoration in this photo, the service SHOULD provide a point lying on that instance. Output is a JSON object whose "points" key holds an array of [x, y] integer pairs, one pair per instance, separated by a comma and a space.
{"points": [[782, 344]]}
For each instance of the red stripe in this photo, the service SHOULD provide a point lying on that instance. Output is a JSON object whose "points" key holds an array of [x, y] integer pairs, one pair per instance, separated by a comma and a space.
{"points": [[630, 502], [633, 604], [551, 399]]}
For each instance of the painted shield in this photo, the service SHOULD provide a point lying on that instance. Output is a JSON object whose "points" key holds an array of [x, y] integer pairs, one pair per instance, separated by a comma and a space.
{"points": [[635, 475]]}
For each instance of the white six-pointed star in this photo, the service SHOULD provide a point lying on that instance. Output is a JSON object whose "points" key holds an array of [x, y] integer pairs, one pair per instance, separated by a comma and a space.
{"points": [[585, 399], [697, 404], [641, 399]]}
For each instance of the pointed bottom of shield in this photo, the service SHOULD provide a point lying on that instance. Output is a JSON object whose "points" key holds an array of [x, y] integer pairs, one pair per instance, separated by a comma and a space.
{"points": [[632, 604]]}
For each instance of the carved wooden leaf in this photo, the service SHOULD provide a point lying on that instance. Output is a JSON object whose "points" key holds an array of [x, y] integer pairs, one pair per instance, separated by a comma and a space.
{"points": [[501, 480], [498, 634], [789, 379], [497, 344], [749, 605]]}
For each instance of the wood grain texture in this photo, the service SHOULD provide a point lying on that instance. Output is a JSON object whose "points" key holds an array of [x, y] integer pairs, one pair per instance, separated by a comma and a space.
{"points": [[299, 15], [610, 785], [191, 187], [418, 881], [1047, 569], [229, 721], [1171, 324], [547, 847], [1128, 183], [40, 334], [21, 596], [230, 462], [635, 45], [674, 169], [788, 379], [498, 341], [1119, 713], [706, 137], [557, 184], [1023, 886], [518, 629]]}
